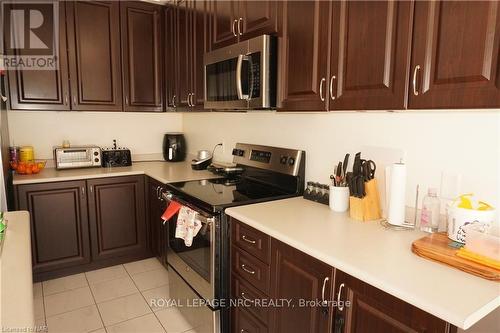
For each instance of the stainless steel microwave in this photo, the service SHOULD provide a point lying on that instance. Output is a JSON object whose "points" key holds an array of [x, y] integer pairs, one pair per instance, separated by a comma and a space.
{"points": [[242, 76]]}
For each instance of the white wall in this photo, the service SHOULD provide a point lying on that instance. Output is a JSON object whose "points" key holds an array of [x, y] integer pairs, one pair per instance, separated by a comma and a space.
{"points": [[467, 142], [142, 133]]}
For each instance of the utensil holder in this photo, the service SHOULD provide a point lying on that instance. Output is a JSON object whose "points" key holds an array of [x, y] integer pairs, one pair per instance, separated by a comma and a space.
{"points": [[367, 208]]}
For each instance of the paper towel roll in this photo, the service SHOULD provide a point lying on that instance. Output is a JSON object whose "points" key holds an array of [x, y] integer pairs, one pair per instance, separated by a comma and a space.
{"points": [[397, 199]]}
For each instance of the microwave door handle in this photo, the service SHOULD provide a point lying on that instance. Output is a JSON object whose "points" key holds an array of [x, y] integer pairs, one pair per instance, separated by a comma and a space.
{"points": [[239, 88]]}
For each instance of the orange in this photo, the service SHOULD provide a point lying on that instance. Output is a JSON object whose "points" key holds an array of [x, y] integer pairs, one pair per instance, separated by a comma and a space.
{"points": [[35, 169], [21, 168]]}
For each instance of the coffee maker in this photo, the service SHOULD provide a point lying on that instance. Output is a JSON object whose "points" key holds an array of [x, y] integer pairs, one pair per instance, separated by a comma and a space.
{"points": [[174, 147]]}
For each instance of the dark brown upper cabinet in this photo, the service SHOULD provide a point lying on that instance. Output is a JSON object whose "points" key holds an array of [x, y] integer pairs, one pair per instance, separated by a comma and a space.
{"points": [[234, 21], [224, 18], [94, 55], [297, 276], [303, 55], [191, 41], [117, 216], [170, 14], [141, 36], [369, 58], [372, 310], [455, 55], [42, 89], [59, 224]]}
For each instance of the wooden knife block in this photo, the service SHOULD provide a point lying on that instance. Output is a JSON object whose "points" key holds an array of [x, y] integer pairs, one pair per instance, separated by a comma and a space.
{"points": [[367, 208]]}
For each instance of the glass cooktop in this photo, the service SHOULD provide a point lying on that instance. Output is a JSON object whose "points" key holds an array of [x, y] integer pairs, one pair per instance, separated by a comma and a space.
{"points": [[228, 191]]}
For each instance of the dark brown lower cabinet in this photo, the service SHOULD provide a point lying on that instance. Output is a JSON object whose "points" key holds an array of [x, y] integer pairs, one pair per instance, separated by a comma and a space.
{"points": [[372, 310], [299, 277], [59, 224], [157, 231], [314, 289], [117, 216], [82, 225]]}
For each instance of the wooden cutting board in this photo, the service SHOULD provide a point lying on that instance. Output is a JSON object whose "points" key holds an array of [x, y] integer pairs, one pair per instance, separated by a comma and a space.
{"points": [[435, 247]]}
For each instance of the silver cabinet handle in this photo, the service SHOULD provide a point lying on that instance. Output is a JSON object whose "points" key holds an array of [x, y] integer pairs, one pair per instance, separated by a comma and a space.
{"points": [[248, 240], [233, 28], [339, 294], [333, 78], [246, 299], [415, 73], [324, 302], [74, 100], [240, 26], [173, 101], [323, 80], [189, 100], [249, 271], [158, 191], [83, 191], [192, 100], [91, 189], [126, 100], [66, 98]]}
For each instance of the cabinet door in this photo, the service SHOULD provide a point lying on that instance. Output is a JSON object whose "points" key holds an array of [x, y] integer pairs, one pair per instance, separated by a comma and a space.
{"points": [[155, 210], [117, 217], [297, 276], [371, 310], [224, 19], [94, 55], [59, 224], [170, 56], [183, 55], [303, 55], [257, 18], [199, 45], [455, 55], [141, 53], [43, 89], [370, 55]]}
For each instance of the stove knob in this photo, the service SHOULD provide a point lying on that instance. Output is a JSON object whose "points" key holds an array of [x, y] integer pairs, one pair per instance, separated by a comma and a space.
{"points": [[291, 161], [241, 152], [283, 159], [235, 152]]}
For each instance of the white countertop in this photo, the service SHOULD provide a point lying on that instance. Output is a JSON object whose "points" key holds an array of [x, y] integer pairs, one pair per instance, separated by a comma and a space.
{"points": [[375, 255], [16, 283], [164, 172]]}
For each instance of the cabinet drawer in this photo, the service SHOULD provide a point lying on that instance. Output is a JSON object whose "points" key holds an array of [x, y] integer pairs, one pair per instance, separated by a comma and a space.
{"points": [[252, 241], [244, 322], [251, 269], [244, 292]]}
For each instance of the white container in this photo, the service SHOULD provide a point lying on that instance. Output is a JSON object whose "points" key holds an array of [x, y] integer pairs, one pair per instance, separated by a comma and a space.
{"points": [[339, 199], [480, 242], [458, 218]]}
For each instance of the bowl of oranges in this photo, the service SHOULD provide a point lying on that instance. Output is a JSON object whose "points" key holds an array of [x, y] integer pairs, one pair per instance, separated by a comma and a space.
{"points": [[28, 168]]}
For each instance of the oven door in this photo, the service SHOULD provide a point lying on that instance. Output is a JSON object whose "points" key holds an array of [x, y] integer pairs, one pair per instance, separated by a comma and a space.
{"points": [[196, 263]]}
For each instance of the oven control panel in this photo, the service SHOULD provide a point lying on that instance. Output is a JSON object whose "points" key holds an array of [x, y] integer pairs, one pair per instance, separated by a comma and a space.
{"points": [[283, 160]]}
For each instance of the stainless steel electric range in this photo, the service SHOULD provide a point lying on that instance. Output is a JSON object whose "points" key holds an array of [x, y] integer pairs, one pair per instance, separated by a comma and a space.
{"points": [[200, 273]]}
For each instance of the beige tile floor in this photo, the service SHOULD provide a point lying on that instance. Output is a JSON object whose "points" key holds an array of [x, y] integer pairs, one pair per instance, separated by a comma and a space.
{"points": [[113, 299]]}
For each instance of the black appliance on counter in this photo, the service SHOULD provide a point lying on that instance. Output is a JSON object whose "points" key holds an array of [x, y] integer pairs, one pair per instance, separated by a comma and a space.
{"points": [[116, 156], [174, 147], [269, 173]]}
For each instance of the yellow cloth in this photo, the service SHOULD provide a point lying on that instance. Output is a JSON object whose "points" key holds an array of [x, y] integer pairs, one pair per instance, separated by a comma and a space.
{"points": [[480, 259]]}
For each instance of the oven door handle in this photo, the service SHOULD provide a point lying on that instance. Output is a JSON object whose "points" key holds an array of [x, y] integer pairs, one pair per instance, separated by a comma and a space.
{"points": [[239, 88], [205, 217]]}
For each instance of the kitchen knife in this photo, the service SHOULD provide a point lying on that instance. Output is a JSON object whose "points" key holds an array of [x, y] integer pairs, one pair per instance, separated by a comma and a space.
{"points": [[346, 162], [360, 187], [356, 168]]}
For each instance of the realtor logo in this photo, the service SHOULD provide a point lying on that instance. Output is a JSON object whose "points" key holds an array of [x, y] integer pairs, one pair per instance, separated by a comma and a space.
{"points": [[30, 35]]}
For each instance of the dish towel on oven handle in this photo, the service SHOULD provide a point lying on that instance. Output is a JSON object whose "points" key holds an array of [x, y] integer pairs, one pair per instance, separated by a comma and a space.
{"points": [[171, 210], [188, 225]]}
